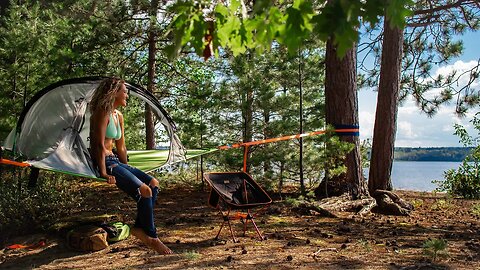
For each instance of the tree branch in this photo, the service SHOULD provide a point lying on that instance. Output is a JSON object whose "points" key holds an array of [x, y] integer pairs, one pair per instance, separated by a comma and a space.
{"points": [[444, 7]]}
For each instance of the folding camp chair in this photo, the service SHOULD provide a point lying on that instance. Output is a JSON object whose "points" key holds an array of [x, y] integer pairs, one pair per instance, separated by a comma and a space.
{"points": [[236, 191]]}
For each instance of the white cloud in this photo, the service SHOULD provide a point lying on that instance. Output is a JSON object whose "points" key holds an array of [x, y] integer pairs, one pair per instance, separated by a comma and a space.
{"points": [[408, 108], [460, 67], [414, 128], [409, 143], [448, 128], [404, 129], [367, 122], [462, 72]]}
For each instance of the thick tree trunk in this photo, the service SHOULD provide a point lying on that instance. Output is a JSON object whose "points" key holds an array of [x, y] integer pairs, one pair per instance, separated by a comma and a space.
{"points": [[341, 103], [386, 113], [152, 49]]}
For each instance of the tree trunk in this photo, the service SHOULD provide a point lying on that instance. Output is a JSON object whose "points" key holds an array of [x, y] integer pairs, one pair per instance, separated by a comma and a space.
{"points": [[152, 49], [341, 103], [280, 180], [248, 121], [267, 168], [300, 140], [386, 113]]}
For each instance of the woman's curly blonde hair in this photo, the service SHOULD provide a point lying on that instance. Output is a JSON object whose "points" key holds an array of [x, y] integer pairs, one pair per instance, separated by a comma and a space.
{"points": [[104, 96]]}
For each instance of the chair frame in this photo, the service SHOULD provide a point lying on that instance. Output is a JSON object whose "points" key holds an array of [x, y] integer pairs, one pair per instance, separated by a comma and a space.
{"points": [[243, 217]]}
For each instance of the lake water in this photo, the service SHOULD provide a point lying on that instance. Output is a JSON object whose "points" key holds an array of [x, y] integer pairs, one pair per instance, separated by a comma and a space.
{"points": [[418, 175]]}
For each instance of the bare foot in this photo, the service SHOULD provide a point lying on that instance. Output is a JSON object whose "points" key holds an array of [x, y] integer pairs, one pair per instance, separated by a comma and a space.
{"points": [[153, 243], [159, 247], [140, 234]]}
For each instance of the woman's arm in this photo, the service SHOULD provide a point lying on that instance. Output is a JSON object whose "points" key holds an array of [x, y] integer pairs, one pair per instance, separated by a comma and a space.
{"points": [[97, 140], [120, 144]]}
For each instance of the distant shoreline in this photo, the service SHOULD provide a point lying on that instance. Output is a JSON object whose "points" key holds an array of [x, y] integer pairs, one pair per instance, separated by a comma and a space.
{"points": [[453, 154], [401, 160]]}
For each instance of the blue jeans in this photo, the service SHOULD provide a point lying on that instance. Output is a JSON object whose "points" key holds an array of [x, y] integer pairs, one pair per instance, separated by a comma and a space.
{"points": [[129, 179]]}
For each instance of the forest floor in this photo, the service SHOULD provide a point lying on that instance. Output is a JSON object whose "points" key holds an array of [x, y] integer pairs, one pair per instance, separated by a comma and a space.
{"points": [[294, 240]]}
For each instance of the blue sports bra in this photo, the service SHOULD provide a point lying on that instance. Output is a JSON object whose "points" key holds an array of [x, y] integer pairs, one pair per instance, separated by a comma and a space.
{"points": [[114, 131]]}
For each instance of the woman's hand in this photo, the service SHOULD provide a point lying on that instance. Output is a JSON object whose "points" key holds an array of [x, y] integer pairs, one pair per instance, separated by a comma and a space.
{"points": [[110, 178]]}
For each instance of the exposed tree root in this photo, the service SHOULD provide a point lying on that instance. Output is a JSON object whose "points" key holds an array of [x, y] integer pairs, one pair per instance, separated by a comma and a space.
{"points": [[391, 204], [367, 207], [305, 208], [326, 207], [345, 204], [382, 201]]}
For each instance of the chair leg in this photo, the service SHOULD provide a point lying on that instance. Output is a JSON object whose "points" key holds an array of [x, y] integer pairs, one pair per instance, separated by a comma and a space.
{"points": [[250, 217], [226, 219], [258, 231], [247, 217], [219, 231], [231, 231]]}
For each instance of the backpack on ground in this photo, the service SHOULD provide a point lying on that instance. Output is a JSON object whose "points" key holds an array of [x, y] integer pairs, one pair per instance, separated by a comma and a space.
{"points": [[116, 231], [87, 238]]}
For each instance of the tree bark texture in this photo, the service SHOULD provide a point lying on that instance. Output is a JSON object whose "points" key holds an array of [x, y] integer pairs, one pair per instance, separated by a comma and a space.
{"points": [[341, 103], [386, 113], [152, 50]]}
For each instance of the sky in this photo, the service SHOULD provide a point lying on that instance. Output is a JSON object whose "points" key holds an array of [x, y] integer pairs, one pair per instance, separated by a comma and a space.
{"points": [[416, 129]]}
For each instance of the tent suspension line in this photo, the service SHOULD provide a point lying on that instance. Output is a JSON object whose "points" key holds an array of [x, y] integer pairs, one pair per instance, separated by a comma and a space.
{"points": [[343, 131]]}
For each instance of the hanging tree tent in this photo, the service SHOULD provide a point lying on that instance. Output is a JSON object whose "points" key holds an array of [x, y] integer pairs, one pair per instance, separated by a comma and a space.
{"points": [[52, 130]]}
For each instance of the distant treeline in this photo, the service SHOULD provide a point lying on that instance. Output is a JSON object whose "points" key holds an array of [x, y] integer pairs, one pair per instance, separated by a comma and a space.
{"points": [[432, 154]]}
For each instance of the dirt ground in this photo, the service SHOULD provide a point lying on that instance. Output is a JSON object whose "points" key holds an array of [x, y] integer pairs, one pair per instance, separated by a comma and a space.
{"points": [[294, 241]]}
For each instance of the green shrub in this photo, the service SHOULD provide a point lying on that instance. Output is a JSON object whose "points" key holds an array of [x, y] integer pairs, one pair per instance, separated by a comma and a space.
{"points": [[24, 209], [476, 209], [292, 201], [441, 205], [364, 243], [417, 203], [465, 181], [192, 255], [186, 174], [435, 248]]}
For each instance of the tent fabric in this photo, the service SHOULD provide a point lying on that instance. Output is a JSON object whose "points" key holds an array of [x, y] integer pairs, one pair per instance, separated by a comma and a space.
{"points": [[145, 160], [151, 160], [52, 131]]}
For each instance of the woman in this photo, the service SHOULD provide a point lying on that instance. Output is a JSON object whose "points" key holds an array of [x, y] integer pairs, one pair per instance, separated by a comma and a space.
{"points": [[107, 132]]}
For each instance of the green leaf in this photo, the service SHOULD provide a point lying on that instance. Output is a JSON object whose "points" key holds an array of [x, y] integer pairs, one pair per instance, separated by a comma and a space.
{"points": [[198, 32], [220, 9], [297, 25], [397, 11], [345, 40], [373, 9], [339, 20], [234, 5]]}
